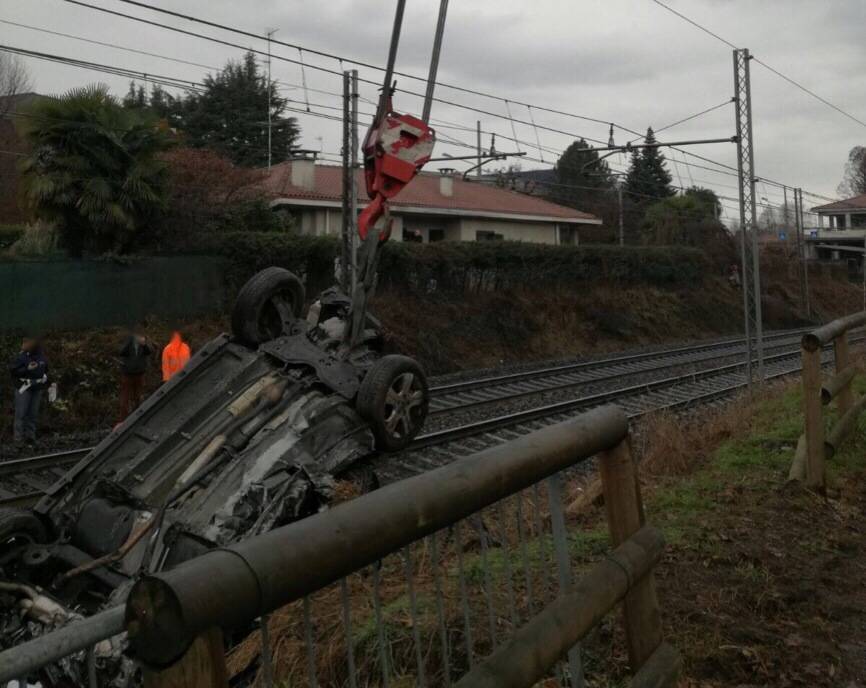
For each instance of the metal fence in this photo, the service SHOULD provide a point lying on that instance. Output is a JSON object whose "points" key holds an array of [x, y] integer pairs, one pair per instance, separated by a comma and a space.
{"points": [[816, 444], [42, 295], [464, 571]]}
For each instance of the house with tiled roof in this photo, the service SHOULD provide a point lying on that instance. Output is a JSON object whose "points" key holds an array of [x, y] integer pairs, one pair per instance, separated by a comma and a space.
{"points": [[434, 207]]}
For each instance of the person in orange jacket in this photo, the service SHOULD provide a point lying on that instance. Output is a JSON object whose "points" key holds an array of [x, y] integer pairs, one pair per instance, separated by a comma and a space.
{"points": [[174, 356]]}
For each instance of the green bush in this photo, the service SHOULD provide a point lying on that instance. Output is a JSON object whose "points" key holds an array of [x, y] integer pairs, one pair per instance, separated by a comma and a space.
{"points": [[486, 266], [251, 216], [9, 234], [461, 267]]}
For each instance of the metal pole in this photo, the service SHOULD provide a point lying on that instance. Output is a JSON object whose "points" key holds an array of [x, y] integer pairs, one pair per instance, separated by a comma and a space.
{"points": [[756, 256], [478, 147], [270, 33], [348, 172], [27, 658], [434, 60], [353, 184], [748, 215], [621, 227], [392, 58], [167, 610], [804, 266]]}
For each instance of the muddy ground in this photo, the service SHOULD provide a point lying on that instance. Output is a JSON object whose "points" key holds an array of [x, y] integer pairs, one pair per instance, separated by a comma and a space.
{"points": [[763, 582]]}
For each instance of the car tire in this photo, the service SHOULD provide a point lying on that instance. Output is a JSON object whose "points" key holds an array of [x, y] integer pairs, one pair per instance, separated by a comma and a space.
{"points": [[19, 527], [393, 399], [267, 305]]}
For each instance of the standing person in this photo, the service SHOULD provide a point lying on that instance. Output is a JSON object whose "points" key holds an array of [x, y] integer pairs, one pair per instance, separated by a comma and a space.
{"points": [[29, 370], [134, 356], [174, 356]]}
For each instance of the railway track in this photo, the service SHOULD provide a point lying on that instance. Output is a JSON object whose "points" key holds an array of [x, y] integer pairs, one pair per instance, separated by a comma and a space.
{"points": [[23, 481], [447, 398], [436, 449]]}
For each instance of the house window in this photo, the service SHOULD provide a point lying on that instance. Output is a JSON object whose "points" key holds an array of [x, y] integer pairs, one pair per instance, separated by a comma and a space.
{"points": [[487, 236], [567, 236], [436, 235], [858, 221], [413, 236]]}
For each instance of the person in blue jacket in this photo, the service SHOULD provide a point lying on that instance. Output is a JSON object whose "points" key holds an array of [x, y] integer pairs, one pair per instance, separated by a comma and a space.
{"points": [[29, 370]]}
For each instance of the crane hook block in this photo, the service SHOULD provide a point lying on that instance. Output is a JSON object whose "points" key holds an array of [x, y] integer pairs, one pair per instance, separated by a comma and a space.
{"points": [[395, 150]]}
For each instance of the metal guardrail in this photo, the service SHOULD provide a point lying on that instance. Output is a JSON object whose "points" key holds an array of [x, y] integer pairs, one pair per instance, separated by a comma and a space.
{"points": [[421, 578], [815, 444]]}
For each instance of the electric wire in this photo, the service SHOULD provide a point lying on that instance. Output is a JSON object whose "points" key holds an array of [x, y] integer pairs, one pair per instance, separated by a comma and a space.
{"points": [[775, 71]]}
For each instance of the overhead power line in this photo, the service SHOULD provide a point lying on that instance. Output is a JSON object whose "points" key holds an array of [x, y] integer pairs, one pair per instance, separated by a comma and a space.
{"points": [[340, 58], [775, 71], [335, 72], [511, 119]]}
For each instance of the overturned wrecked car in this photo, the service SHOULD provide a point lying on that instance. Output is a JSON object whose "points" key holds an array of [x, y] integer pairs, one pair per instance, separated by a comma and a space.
{"points": [[250, 435]]}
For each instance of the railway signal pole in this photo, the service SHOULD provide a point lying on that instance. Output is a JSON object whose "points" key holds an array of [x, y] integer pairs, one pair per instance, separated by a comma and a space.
{"points": [[348, 252], [748, 218]]}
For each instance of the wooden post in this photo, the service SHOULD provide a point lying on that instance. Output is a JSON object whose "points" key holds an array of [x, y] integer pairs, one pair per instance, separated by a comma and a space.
{"points": [[202, 666], [814, 418], [846, 395], [625, 517]]}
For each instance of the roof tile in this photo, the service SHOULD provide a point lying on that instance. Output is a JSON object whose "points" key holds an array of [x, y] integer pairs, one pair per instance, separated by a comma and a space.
{"points": [[423, 192]]}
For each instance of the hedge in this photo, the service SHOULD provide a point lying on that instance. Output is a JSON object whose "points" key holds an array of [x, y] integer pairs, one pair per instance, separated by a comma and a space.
{"points": [[461, 266]]}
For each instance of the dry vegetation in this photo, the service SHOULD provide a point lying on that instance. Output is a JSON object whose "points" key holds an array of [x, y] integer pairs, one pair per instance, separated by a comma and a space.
{"points": [[761, 584]]}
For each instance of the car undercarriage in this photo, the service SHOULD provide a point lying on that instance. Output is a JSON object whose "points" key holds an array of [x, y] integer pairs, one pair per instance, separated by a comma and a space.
{"points": [[252, 434]]}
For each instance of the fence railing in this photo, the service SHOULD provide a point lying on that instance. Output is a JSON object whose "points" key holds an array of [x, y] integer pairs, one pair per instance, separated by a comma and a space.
{"points": [[815, 444], [462, 575]]}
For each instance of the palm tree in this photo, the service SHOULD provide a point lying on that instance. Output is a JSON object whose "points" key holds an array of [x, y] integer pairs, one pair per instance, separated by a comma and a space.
{"points": [[94, 169]]}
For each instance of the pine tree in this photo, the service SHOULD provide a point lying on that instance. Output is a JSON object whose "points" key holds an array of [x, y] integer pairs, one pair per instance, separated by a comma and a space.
{"points": [[229, 116], [582, 179], [648, 179]]}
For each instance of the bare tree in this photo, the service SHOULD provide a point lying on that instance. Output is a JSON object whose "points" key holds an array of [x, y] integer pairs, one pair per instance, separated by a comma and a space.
{"points": [[854, 181], [14, 80]]}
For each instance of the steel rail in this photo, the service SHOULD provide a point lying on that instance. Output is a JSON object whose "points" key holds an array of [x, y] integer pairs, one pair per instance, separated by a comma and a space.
{"points": [[448, 388], [64, 457], [489, 386], [33, 463], [480, 427]]}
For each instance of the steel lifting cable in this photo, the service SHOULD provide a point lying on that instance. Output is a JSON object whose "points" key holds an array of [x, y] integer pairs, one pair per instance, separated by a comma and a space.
{"points": [[304, 79], [535, 129], [511, 121], [688, 169], [677, 170]]}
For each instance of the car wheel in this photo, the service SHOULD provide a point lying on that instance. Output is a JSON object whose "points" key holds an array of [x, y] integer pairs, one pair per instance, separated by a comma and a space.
{"points": [[18, 527], [393, 399], [267, 306]]}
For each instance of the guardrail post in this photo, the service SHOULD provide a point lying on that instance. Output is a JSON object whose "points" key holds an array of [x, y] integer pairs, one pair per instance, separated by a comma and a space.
{"points": [[203, 665], [842, 358], [814, 417], [625, 516]]}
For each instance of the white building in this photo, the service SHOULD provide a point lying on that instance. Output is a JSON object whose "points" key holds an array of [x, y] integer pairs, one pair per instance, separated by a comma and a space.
{"points": [[433, 207], [841, 230]]}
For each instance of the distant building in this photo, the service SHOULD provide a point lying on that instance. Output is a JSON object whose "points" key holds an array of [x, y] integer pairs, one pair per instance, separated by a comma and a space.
{"points": [[841, 230], [434, 207]]}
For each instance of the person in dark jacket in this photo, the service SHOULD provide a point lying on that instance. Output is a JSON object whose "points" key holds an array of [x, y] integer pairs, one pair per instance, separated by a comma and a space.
{"points": [[134, 356], [29, 370]]}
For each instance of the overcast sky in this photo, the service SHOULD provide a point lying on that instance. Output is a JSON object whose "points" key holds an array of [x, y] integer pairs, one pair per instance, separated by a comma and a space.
{"points": [[625, 61]]}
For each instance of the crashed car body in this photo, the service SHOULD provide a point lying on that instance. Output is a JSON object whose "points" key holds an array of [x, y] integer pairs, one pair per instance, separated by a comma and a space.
{"points": [[247, 437]]}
